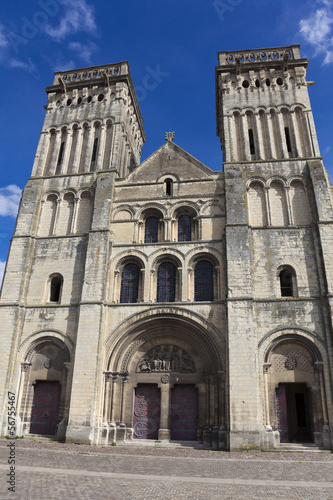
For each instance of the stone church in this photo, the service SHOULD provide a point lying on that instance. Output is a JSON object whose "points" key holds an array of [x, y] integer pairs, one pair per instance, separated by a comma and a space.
{"points": [[164, 300]]}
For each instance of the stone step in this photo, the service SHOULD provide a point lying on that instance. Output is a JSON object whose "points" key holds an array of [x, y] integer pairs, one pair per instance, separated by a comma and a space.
{"points": [[301, 447]]}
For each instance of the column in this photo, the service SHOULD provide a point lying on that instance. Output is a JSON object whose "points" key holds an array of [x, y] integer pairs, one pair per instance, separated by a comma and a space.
{"points": [[173, 230], [190, 295], [66, 153], [101, 148], [142, 295], [116, 139], [106, 408], [290, 212], [180, 293], [55, 153], [88, 152], [271, 136], [246, 142], [124, 380], [114, 376], [282, 134], [152, 295], [217, 294], [40, 154], [75, 211], [139, 237], [164, 431], [167, 229], [233, 155], [260, 146], [319, 368], [312, 133], [268, 205], [266, 368], [298, 144], [54, 230], [227, 145], [115, 286], [77, 152]]}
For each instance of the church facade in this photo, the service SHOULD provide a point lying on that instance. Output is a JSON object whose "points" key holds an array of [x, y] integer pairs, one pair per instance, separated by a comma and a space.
{"points": [[163, 300]]}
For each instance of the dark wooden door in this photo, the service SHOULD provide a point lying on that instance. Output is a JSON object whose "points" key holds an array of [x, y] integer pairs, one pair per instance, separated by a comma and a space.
{"points": [[45, 407], [147, 403], [281, 411], [184, 412]]}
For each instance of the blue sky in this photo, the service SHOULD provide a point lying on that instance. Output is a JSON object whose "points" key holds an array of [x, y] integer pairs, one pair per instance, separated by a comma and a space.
{"points": [[176, 39]]}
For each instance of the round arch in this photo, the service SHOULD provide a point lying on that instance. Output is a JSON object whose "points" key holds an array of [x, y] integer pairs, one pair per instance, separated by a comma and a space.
{"points": [[153, 357]]}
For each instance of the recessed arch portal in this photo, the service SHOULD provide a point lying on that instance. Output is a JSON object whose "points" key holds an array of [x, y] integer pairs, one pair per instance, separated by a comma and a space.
{"points": [[294, 387], [165, 357], [45, 389]]}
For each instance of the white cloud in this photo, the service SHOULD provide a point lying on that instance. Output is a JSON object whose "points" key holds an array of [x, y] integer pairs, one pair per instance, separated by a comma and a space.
{"points": [[78, 16], [26, 66], [9, 200], [3, 40], [317, 29], [84, 51]]}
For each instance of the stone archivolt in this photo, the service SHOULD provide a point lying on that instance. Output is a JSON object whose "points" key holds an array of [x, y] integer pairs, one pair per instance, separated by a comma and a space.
{"points": [[166, 358]]}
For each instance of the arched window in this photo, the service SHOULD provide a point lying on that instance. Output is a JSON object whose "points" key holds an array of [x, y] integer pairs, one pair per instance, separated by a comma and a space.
{"points": [[204, 281], [84, 213], [168, 187], [48, 216], [185, 228], [151, 230], [288, 282], [129, 284], [56, 288], [166, 282]]}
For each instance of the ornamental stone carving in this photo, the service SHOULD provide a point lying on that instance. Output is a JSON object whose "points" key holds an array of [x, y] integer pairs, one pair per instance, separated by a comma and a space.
{"points": [[166, 358], [291, 363]]}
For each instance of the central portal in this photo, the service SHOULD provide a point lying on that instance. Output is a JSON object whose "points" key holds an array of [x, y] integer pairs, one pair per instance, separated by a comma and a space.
{"points": [[184, 412]]}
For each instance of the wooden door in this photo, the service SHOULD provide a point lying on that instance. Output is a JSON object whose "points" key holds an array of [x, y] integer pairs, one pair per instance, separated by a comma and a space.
{"points": [[184, 412], [45, 407]]}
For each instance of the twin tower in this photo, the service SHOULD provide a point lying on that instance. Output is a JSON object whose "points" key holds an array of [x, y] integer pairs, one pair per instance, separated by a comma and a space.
{"points": [[163, 300]]}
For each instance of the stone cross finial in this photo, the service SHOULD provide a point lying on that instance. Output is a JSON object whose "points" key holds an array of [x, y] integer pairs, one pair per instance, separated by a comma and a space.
{"points": [[169, 136]]}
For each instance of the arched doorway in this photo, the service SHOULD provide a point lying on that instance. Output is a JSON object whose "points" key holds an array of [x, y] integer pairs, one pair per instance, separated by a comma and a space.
{"points": [[45, 390], [294, 386], [164, 380]]}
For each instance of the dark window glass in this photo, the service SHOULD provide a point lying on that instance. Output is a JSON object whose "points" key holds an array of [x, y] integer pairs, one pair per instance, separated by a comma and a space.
{"points": [[184, 228], [286, 283], [55, 289], [168, 187], [286, 130], [129, 284], [61, 153], [251, 140], [93, 157], [151, 230], [166, 282], [204, 281]]}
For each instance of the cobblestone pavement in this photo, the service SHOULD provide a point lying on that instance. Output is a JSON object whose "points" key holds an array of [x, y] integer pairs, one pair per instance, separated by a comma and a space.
{"points": [[47, 471]]}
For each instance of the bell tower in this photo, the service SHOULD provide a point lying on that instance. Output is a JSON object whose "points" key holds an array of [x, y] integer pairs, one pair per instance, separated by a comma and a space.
{"points": [[93, 123], [60, 252], [276, 188], [263, 107]]}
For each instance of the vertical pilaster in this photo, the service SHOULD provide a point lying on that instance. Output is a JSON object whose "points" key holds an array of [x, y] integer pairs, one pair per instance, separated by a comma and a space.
{"points": [[77, 152]]}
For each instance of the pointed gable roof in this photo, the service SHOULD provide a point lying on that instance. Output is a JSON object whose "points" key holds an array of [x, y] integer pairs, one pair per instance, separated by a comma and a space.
{"points": [[173, 160]]}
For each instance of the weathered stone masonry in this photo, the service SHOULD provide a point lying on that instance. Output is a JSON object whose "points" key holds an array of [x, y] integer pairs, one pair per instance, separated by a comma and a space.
{"points": [[164, 300]]}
